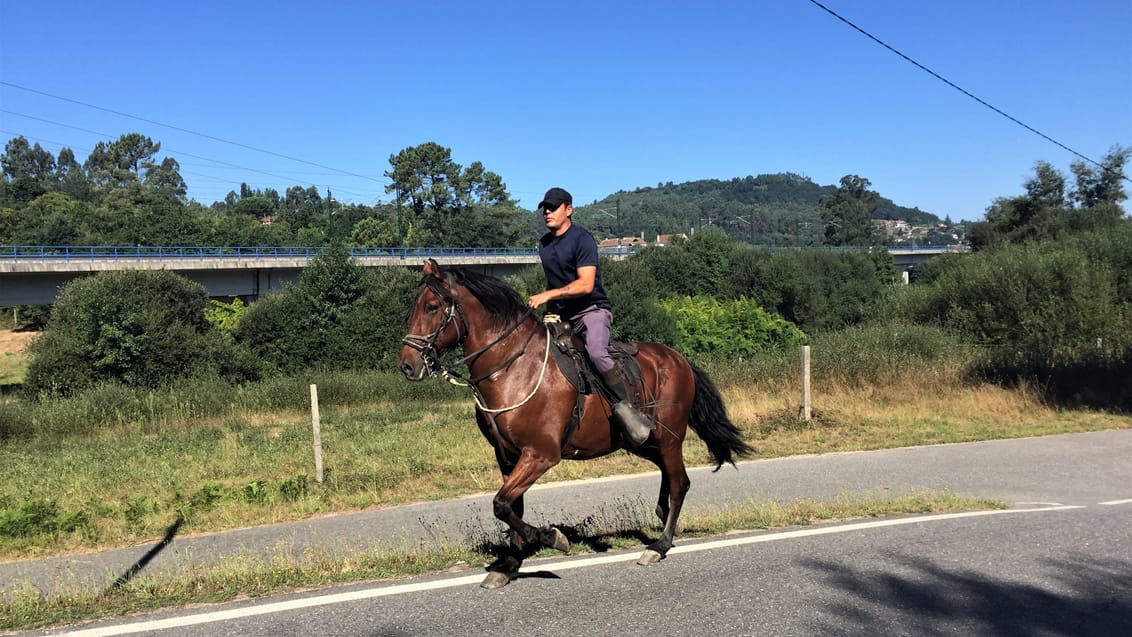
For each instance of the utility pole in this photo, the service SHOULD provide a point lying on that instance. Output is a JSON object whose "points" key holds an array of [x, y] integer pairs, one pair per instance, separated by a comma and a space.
{"points": [[750, 227], [400, 238], [329, 217]]}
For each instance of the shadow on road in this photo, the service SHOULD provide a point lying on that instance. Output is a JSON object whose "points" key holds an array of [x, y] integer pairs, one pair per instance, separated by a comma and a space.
{"points": [[136, 568], [1082, 598]]}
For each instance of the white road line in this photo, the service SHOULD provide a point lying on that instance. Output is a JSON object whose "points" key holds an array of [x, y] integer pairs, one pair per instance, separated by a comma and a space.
{"points": [[1112, 502], [467, 580]]}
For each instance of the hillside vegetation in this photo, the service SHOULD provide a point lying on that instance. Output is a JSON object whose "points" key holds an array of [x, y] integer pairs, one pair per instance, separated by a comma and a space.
{"points": [[780, 210], [126, 193]]}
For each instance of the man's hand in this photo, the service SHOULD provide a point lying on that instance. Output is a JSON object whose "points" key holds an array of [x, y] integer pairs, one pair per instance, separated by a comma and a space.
{"points": [[538, 299], [583, 285]]}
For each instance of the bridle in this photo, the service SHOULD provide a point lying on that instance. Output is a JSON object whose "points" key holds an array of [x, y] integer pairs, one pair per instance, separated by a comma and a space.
{"points": [[427, 345], [431, 355], [434, 366]]}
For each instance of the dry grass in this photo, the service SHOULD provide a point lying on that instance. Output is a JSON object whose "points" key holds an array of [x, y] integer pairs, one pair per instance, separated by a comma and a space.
{"points": [[13, 360], [904, 413]]}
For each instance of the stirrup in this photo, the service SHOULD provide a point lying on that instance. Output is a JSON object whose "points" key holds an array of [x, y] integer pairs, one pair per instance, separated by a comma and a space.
{"points": [[634, 424]]}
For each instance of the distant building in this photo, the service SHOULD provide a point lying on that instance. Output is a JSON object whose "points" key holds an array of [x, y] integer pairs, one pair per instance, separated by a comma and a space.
{"points": [[624, 242], [663, 240], [632, 243]]}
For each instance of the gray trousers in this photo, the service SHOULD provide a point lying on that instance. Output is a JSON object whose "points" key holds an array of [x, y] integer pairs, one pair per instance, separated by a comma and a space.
{"points": [[597, 322]]}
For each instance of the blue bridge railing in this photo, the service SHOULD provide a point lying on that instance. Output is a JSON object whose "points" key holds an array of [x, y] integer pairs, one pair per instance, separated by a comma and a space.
{"points": [[237, 253], [185, 253]]}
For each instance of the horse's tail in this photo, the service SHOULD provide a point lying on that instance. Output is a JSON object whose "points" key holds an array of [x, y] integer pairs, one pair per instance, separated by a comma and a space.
{"points": [[710, 422]]}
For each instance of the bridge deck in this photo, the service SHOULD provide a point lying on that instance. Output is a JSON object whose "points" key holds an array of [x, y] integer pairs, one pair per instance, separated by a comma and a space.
{"points": [[32, 275]]}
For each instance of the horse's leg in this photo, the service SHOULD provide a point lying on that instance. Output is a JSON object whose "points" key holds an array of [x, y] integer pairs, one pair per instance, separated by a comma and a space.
{"points": [[527, 470], [501, 571], [674, 481], [508, 506], [662, 500]]}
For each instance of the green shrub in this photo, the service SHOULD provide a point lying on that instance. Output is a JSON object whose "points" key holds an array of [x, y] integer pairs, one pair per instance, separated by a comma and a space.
{"points": [[139, 328], [813, 288], [225, 316], [882, 352], [39, 517], [730, 329], [699, 265], [340, 316], [1044, 298], [1050, 314], [637, 314]]}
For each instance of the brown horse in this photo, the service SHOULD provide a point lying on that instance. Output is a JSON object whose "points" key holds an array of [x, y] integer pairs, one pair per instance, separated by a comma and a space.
{"points": [[525, 403]]}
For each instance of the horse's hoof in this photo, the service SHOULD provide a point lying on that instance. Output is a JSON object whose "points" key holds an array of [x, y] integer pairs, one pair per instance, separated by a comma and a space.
{"points": [[560, 541], [649, 557], [495, 579]]}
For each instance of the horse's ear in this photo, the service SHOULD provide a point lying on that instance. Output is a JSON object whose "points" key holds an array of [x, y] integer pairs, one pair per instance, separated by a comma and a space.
{"points": [[431, 267]]}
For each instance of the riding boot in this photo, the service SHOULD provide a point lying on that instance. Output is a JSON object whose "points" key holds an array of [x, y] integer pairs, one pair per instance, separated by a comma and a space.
{"points": [[634, 424]]}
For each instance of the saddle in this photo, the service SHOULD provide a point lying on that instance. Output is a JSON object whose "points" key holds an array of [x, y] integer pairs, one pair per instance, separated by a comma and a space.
{"points": [[570, 353]]}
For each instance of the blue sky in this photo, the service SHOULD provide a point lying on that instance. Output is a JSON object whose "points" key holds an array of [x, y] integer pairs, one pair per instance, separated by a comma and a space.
{"points": [[592, 96]]}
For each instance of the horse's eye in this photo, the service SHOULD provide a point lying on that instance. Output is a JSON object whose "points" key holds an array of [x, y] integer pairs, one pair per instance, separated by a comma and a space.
{"points": [[432, 308]]}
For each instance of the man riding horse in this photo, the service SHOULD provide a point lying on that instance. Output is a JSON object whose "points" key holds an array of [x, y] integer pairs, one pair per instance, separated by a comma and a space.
{"points": [[569, 259]]}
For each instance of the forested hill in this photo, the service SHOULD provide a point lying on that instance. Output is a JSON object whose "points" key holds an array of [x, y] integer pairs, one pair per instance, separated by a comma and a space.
{"points": [[779, 209]]}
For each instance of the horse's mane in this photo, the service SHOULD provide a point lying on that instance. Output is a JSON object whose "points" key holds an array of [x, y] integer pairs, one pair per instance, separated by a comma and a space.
{"points": [[502, 302]]}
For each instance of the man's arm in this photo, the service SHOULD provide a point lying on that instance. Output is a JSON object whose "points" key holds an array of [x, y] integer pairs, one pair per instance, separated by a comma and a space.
{"points": [[583, 285]]}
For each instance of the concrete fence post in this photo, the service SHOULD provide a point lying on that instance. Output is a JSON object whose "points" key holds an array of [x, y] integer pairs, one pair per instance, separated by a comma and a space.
{"points": [[806, 412], [317, 434]]}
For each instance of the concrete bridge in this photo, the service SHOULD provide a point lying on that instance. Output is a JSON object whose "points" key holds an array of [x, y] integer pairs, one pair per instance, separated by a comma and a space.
{"points": [[32, 275]]}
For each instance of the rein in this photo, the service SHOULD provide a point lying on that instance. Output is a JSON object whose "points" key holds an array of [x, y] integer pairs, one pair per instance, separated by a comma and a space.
{"points": [[456, 380], [426, 345]]}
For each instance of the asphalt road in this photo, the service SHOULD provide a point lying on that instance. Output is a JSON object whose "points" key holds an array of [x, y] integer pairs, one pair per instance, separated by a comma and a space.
{"points": [[1058, 563]]}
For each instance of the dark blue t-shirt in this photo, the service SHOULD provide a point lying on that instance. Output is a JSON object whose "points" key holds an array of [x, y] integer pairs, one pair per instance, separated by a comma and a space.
{"points": [[561, 257]]}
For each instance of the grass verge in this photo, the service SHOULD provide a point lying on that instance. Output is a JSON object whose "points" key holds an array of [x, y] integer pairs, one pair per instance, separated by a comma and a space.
{"points": [[619, 529], [121, 483]]}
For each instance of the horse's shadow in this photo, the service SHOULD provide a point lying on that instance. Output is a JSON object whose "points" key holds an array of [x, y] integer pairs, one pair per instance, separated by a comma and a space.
{"points": [[577, 535]]}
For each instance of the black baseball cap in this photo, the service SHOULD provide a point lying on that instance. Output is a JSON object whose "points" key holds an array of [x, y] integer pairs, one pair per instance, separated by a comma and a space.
{"points": [[555, 197]]}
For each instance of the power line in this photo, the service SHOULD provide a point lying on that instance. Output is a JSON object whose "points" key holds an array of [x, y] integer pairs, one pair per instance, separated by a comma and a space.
{"points": [[959, 88], [185, 130]]}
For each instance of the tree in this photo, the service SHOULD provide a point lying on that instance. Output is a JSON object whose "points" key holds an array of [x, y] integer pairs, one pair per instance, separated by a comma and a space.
{"points": [[301, 206], [258, 207], [1049, 209], [123, 161], [636, 295], [847, 214], [374, 232], [477, 186], [28, 171], [166, 178], [23, 161], [424, 177], [1098, 192], [1038, 214], [53, 219], [708, 261], [443, 197], [70, 178]]}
